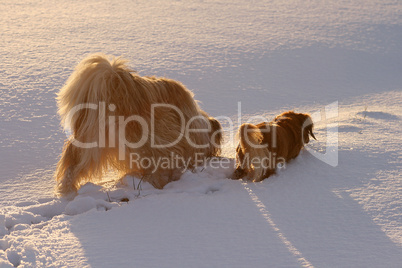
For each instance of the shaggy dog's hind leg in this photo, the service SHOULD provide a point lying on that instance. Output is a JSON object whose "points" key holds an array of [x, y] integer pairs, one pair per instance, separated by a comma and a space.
{"points": [[75, 166], [65, 170]]}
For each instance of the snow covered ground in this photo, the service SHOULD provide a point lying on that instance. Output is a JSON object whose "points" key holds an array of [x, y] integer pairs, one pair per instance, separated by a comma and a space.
{"points": [[337, 205]]}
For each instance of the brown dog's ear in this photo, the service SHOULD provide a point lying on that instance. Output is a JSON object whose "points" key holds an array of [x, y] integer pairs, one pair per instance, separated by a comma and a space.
{"points": [[307, 132], [309, 126], [310, 131]]}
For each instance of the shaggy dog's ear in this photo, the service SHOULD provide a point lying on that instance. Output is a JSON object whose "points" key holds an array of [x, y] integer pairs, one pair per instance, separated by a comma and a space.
{"points": [[216, 130], [216, 135]]}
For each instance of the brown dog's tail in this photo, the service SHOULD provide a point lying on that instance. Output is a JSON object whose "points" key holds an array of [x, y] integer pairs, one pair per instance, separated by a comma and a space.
{"points": [[254, 152]]}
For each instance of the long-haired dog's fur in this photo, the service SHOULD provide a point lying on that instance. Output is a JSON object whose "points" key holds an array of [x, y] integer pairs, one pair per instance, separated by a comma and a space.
{"points": [[260, 145], [99, 81]]}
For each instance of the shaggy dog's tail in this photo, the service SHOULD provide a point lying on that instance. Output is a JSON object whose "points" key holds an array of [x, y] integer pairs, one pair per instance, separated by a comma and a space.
{"points": [[90, 83], [255, 153]]}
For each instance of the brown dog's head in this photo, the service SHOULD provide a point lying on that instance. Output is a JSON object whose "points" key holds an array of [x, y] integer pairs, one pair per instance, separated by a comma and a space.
{"points": [[302, 120]]}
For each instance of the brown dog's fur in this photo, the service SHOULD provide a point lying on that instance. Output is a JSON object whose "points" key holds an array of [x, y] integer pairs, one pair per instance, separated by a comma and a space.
{"points": [[124, 94], [262, 145]]}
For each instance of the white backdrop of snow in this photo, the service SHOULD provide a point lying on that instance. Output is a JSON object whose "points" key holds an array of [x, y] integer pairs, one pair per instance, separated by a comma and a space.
{"points": [[271, 56]]}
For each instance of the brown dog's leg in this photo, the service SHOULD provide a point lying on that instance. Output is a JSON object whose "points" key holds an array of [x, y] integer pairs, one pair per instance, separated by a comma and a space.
{"points": [[267, 173]]}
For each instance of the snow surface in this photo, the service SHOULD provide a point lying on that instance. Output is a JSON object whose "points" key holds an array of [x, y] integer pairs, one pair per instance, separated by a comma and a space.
{"points": [[337, 205]]}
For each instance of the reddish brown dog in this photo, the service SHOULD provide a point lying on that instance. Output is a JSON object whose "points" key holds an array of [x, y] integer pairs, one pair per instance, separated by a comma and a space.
{"points": [[262, 147]]}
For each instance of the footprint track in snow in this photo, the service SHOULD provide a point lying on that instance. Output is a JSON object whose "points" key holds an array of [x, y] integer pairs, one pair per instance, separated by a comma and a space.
{"points": [[48, 216]]}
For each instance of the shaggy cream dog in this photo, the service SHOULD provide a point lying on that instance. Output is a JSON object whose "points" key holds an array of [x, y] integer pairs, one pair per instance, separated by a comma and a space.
{"points": [[147, 126]]}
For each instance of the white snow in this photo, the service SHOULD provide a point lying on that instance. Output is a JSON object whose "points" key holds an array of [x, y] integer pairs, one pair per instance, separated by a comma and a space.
{"points": [[337, 205]]}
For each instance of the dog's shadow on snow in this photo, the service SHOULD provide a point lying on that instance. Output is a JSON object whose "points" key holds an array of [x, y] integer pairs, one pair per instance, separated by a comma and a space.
{"points": [[313, 206]]}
